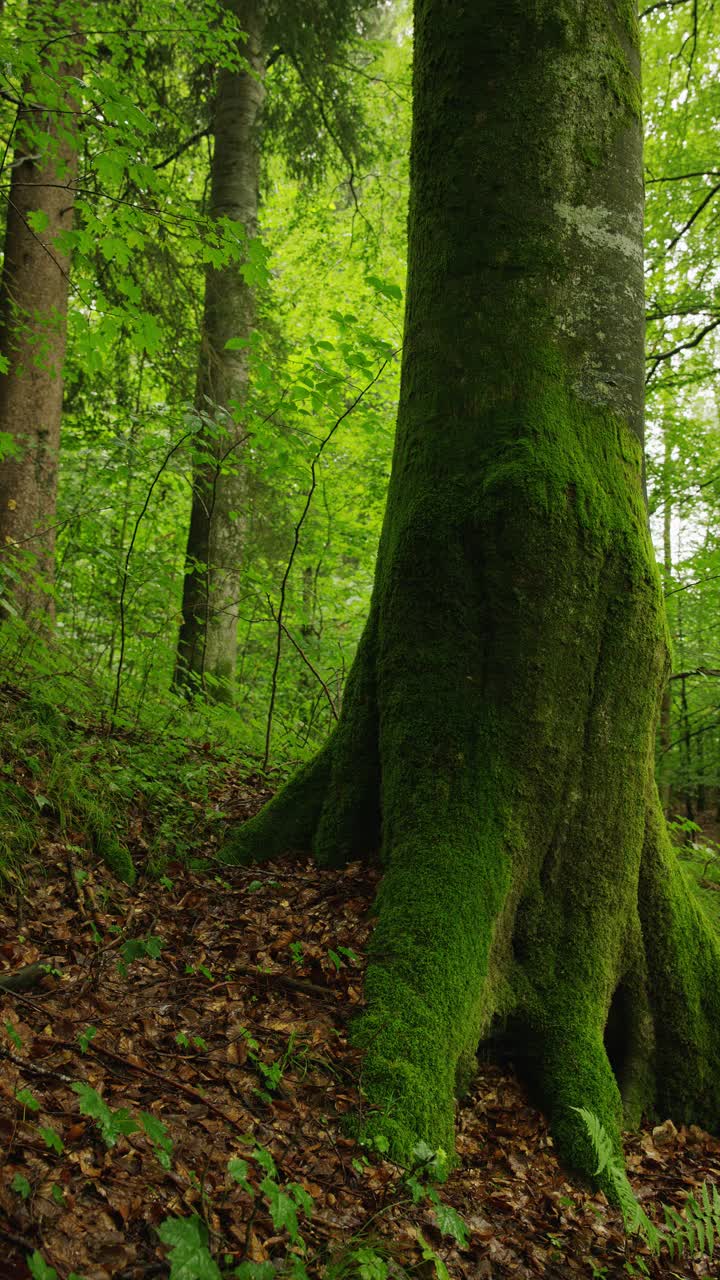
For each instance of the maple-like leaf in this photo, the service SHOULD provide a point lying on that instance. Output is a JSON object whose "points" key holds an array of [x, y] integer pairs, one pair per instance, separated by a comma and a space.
{"points": [[189, 1257], [282, 1209]]}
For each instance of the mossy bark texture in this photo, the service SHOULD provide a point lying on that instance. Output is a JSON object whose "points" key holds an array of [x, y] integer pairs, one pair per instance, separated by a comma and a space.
{"points": [[33, 330], [207, 645], [496, 743]]}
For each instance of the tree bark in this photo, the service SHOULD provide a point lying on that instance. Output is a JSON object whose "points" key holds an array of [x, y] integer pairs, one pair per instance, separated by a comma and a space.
{"points": [[667, 569], [497, 737], [33, 327], [207, 647]]}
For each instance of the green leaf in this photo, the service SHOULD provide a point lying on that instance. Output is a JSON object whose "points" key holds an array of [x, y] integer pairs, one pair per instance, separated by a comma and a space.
{"points": [[385, 288], [255, 1271], [282, 1209], [84, 1038], [159, 1136], [27, 1099], [21, 1185], [189, 1257], [263, 1157], [450, 1223], [110, 1123], [371, 1266], [39, 1268], [123, 1122], [51, 1139], [238, 1170], [302, 1198], [13, 1035], [429, 1255], [9, 447], [38, 220]]}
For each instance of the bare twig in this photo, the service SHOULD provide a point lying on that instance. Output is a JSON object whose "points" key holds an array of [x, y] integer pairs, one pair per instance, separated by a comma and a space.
{"points": [[306, 660], [126, 568], [184, 146], [698, 671], [681, 346], [663, 4], [279, 618]]}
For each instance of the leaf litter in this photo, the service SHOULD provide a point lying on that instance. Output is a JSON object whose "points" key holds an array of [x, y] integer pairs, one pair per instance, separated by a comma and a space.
{"points": [[203, 1018]]}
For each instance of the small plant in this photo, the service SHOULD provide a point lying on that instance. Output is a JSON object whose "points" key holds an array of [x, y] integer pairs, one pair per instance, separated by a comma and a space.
{"points": [[697, 1230], [137, 949], [85, 1037]]}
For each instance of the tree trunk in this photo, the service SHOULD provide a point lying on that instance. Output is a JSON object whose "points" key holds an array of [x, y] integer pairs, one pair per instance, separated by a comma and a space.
{"points": [[207, 644], [33, 326], [667, 569], [497, 736]]}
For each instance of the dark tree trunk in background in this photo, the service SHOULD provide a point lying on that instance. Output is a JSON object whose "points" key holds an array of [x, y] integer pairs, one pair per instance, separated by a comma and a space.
{"points": [[207, 647], [666, 705], [33, 325], [497, 736]]}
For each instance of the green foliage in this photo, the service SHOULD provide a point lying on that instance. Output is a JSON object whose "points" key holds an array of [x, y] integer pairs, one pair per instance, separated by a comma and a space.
{"points": [[159, 1137], [695, 1230], [27, 1099], [189, 1256], [21, 1185], [137, 949], [51, 1139], [110, 1123], [86, 1037]]}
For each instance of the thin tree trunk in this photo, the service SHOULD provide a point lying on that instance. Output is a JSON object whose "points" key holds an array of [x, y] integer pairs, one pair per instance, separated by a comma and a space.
{"points": [[207, 647], [498, 732], [667, 567], [33, 326]]}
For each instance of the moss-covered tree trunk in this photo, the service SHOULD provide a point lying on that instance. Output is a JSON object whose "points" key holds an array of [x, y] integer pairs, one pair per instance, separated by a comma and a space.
{"points": [[33, 328], [496, 741], [207, 644]]}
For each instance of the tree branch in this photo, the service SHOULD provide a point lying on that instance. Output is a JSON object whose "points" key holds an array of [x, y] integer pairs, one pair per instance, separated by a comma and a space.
{"points": [[184, 146], [296, 542], [682, 346], [662, 4]]}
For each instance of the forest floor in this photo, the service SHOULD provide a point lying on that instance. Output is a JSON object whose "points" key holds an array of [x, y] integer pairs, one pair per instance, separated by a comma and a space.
{"points": [[202, 1019]]}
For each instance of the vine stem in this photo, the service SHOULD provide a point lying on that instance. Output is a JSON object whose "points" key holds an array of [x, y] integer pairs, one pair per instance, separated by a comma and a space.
{"points": [[279, 615], [126, 567]]}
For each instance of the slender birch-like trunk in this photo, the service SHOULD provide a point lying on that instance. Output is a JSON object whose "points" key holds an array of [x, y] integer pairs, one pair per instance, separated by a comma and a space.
{"points": [[207, 647]]}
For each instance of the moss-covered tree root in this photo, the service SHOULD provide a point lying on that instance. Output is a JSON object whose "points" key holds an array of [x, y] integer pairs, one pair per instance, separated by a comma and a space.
{"points": [[498, 734], [500, 721]]}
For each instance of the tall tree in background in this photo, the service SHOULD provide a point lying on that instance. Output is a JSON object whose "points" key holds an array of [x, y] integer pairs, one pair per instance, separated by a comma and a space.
{"points": [[208, 633], [305, 37], [496, 740], [33, 323]]}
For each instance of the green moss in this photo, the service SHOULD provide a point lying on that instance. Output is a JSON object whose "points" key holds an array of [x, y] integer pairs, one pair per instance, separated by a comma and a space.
{"points": [[684, 984], [330, 806], [287, 823], [501, 713]]}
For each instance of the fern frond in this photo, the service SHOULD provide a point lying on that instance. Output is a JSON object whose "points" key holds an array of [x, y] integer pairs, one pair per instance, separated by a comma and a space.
{"points": [[695, 1230], [599, 1137]]}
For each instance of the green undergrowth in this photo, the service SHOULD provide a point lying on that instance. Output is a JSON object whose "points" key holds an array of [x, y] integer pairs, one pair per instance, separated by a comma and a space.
{"points": [[695, 1231], [699, 857], [138, 790]]}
